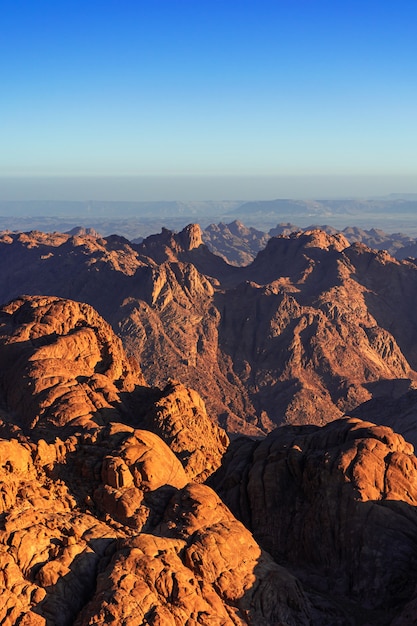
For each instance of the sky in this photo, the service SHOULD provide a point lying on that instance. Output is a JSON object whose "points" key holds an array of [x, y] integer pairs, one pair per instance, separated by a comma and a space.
{"points": [[233, 98]]}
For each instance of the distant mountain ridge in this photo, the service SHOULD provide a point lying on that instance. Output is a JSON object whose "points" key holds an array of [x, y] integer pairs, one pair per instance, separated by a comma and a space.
{"points": [[323, 207], [239, 245]]}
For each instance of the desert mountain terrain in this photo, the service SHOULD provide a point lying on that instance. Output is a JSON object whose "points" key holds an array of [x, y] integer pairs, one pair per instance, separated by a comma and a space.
{"points": [[123, 503], [310, 330], [100, 520], [238, 245]]}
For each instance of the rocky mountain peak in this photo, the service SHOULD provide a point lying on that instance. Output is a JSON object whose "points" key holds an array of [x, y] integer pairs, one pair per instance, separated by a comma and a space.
{"points": [[320, 239], [80, 231], [300, 243], [190, 237], [171, 246]]}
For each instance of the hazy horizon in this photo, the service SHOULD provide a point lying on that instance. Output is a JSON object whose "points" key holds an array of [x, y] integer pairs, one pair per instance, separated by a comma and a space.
{"points": [[198, 188]]}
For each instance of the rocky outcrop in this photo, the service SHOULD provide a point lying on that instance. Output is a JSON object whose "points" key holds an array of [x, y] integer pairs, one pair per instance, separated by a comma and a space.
{"points": [[200, 566], [179, 417], [78, 231], [336, 505], [61, 365], [170, 246], [99, 521]]}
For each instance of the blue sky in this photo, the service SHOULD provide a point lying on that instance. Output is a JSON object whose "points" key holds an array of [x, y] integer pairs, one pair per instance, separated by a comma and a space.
{"points": [[284, 88]]}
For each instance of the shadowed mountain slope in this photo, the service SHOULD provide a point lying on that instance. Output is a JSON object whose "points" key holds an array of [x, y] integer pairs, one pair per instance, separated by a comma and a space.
{"points": [[235, 243], [311, 329]]}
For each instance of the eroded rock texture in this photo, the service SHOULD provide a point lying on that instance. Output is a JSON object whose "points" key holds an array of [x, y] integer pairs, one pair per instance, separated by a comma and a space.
{"points": [[61, 364], [180, 419], [107, 516], [336, 505], [200, 566], [99, 522]]}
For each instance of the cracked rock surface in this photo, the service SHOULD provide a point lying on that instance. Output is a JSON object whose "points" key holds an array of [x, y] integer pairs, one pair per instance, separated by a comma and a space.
{"points": [[100, 520]]}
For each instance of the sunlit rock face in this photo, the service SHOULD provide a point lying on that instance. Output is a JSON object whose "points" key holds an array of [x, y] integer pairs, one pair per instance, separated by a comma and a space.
{"points": [[99, 519], [61, 364], [199, 566], [336, 504], [122, 503], [307, 332]]}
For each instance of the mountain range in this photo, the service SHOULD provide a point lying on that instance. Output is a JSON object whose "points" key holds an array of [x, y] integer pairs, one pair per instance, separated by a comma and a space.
{"points": [[190, 441], [239, 244], [308, 331]]}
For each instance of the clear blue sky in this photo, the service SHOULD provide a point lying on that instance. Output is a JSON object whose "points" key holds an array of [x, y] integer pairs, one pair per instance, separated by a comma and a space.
{"points": [[238, 88]]}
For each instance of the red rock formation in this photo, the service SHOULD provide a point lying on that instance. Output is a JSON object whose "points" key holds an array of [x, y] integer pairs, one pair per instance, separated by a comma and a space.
{"points": [[61, 364], [179, 417], [100, 523], [336, 505], [307, 332], [98, 520], [200, 566]]}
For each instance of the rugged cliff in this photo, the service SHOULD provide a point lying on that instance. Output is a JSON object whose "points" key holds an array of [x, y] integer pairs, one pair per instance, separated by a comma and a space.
{"points": [[310, 330], [109, 511], [99, 519]]}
